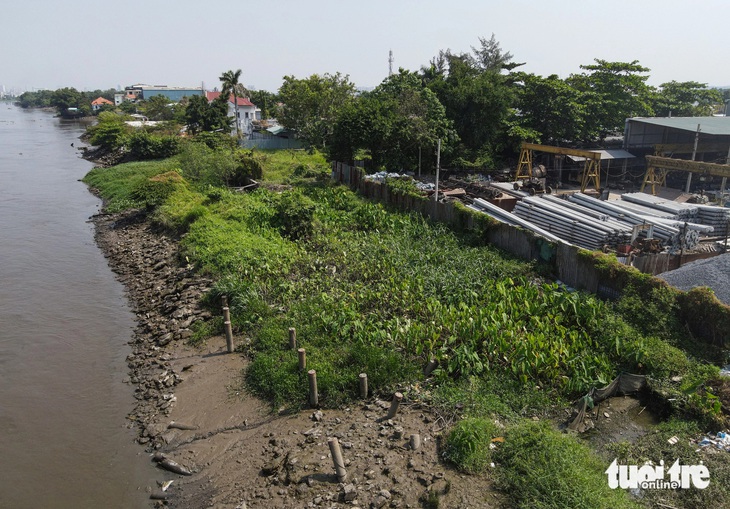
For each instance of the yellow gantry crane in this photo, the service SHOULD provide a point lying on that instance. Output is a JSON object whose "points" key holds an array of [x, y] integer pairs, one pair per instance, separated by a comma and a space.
{"points": [[657, 175], [658, 167], [591, 170]]}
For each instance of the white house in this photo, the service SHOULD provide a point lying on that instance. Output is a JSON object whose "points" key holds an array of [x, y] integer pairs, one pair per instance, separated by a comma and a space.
{"points": [[247, 112]]}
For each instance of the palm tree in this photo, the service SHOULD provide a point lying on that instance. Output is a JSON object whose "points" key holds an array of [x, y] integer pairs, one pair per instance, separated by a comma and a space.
{"points": [[232, 86]]}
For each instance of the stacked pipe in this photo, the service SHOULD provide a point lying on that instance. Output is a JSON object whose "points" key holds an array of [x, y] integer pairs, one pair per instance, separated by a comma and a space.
{"points": [[717, 217], [509, 218], [675, 238], [708, 215], [683, 211], [578, 228]]}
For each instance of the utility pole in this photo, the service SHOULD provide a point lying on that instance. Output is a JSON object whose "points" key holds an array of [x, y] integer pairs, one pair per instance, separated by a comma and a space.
{"points": [[694, 153], [438, 166], [419, 161], [390, 63]]}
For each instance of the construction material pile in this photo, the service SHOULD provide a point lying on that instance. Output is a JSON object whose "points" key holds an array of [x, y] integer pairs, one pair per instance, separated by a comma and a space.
{"points": [[574, 223], [711, 272], [674, 234], [707, 215]]}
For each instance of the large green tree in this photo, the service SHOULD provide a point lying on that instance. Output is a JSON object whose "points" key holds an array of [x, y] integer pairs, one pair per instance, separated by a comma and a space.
{"points": [[686, 99], [311, 105], [392, 122], [64, 99], [158, 107], [200, 115], [266, 101], [552, 108], [479, 99], [612, 92]]}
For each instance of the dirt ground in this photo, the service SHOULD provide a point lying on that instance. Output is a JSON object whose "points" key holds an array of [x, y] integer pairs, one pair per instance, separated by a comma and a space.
{"points": [[223, 448]]}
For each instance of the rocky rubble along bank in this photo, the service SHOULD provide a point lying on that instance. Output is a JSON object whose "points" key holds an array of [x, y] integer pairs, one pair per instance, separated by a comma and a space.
{"points": [[217, 446], [165, 298]]}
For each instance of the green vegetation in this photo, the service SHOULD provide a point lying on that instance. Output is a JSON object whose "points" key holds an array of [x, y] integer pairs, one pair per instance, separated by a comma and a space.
{"points": [[542, 468], [380, 291]]}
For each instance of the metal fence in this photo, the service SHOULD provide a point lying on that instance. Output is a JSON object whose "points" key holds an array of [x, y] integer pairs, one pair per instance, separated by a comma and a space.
{"points": [[272, 144]]}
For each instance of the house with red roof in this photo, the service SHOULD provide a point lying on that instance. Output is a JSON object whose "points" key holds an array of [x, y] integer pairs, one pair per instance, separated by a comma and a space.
{"points": [[97, 103], [247, 112]]}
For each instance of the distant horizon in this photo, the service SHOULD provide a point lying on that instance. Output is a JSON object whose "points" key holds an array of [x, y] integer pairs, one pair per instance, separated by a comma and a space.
{"points": [[76, 44]]}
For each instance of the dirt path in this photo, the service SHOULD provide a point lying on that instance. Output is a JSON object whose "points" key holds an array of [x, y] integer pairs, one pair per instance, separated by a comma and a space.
{"points": [[192, 409]]}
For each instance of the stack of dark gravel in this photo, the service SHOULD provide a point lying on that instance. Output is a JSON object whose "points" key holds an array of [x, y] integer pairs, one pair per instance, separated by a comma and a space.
{"points": [[711, 272]]}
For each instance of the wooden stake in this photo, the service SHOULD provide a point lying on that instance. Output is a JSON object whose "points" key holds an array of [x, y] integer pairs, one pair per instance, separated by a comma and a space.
{"points": [[337, 458], [224, 301], [226, 314], [363, 385], [397, 397], [292, 338], [302, 359], [313, 396]]}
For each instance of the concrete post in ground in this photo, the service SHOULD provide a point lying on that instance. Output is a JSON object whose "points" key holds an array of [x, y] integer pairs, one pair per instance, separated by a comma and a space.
{"points": [[397, 397], [302, 359], [415, 441], [226, 314], [224, 301], [432, 363], [229, 336], [292, 338], [313, 396], [363, 385], [337, 458]]}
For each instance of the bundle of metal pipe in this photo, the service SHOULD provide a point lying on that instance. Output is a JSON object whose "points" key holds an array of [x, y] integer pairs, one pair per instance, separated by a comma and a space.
{"points": [[509, 218], [717, 217], [670, 235], [582, 230], [685, 211]]}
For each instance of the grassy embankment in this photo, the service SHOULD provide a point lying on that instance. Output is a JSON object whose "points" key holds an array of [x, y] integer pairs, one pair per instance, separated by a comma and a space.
{"points": [[377, 291]]}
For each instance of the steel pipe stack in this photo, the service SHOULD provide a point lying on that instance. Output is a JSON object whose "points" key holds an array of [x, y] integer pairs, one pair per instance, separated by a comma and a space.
{"points": [[571, 225], [509, 218], [669, 235], [684, 211]]}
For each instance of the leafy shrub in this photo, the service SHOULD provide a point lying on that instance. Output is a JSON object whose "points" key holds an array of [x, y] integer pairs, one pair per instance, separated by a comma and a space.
{"points": [[155, 190], [110, 133], [468, 444], [294, 215], [144, 146]]}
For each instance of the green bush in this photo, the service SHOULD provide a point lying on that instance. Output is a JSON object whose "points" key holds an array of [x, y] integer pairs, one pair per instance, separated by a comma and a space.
{"points": [[155, 190], [110, 133], [540, 468], [294, 215], [144, 146], [468, 444]]}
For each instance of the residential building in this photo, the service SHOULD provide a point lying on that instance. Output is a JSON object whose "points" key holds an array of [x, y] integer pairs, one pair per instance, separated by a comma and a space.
{"points": [[247, 112]]}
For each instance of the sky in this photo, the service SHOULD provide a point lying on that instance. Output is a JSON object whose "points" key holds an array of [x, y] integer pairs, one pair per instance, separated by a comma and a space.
{"points": [[92, 44]]}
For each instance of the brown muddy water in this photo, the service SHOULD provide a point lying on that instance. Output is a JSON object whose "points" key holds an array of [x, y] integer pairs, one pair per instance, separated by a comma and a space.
{"points": [[64, 327]]}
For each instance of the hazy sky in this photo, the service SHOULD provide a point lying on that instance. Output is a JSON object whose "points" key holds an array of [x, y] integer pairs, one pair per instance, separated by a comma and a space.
{"points": [[90, 44]]}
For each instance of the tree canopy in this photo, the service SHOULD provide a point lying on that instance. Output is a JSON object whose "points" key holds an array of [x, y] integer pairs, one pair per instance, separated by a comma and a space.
{"points": [[310, 106]]}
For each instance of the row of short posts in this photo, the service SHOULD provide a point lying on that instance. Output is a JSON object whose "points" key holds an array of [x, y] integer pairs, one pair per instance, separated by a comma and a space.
{"points": [[334, 445]]}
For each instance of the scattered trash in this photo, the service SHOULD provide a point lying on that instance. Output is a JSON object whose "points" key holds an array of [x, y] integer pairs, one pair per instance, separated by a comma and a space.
{"points": [[720, 441], [673, 440]]}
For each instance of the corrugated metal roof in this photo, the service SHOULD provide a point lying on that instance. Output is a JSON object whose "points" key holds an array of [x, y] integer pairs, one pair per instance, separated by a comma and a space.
{"points": [[616, 153], [708, 125]]}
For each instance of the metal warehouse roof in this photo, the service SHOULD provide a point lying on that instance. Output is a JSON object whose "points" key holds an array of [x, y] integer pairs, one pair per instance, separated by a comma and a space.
{"points": [[708, 125], [608, 154]]}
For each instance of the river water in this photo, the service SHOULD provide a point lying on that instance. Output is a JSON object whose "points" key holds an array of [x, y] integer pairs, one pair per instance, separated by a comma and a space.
{"points": [[64, 327]]}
